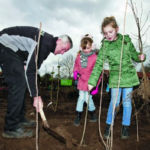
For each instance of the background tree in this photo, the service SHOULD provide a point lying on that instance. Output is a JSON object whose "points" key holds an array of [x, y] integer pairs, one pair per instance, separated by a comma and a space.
{"points": [[45, 78], [67, 65]]}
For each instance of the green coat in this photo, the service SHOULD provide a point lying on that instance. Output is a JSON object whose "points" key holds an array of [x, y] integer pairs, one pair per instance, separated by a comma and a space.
{"points": [[111, 52]]}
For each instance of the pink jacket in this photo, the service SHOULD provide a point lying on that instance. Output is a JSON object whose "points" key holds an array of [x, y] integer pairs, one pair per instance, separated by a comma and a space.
{"points": [[85, 72]]}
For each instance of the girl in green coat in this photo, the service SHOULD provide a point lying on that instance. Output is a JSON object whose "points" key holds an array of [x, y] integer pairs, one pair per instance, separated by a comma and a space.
{"points": [[121, 69]]}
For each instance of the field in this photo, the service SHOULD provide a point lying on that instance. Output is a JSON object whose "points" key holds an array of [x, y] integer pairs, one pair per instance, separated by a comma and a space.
{"points": [[62, 122]]}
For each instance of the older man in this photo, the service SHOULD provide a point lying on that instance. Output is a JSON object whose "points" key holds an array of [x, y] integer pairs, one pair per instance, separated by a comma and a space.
{"points": [[17, 60]]}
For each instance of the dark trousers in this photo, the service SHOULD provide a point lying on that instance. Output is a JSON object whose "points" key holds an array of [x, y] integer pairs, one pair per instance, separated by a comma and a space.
{"points": [[13, 71]]}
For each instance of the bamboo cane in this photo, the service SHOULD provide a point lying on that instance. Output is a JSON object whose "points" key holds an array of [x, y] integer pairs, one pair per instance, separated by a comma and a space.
{"points": [[43, 117], [110, 141], [36, 59], [85, 120]]}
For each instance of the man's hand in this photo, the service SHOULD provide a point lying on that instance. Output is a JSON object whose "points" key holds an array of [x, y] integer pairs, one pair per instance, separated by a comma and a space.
{"points": [[38, 103], [90, 87], [141, 57], [24, 67]]}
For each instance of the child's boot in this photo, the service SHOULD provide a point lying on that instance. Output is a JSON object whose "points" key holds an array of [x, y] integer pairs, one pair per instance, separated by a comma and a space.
{"points": [[77, 119], [125, 132], [107, 130], [93, 116]]}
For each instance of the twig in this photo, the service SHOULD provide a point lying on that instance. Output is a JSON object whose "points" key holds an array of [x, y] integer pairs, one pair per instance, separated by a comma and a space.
{"points": [[119, 75], [138, 110], [85, 120], [133, 34], [36, 59], [141, 15], [136, 121], [136, 9], [145, 21], [144, 42], [57, 85], [101, 100], [145, 31], [146, 47], [51, 93], [139, 29]]}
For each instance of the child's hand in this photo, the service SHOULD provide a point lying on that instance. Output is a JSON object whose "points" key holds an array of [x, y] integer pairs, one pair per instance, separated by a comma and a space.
{"points": [[94, 91], [90, 87], [76, 74], [141, 57]]}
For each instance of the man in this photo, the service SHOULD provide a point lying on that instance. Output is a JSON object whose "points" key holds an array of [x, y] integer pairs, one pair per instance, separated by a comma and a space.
{"points": [[17, 60]]}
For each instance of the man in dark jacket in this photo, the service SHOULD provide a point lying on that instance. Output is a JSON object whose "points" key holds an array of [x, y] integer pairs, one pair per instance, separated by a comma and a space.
{"points": [[17, 60]]}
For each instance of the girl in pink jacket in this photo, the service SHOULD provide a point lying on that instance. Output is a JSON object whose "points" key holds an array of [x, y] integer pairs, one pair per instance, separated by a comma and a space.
{"points": [[83, 67]]}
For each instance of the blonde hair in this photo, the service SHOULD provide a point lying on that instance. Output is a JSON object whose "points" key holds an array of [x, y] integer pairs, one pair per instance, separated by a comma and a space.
{"points": [[109, 21]]}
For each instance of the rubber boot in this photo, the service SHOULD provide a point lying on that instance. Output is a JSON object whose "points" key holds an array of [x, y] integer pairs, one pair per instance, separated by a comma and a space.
{"points": [[77, 119], [93, 116], [107, 130], [125, 132]]}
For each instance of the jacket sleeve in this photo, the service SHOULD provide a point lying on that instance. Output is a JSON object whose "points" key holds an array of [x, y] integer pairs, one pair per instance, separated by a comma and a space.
{"points": [[31, 70], [76, 64], [31, 74], [134, 53], [97, 68]]}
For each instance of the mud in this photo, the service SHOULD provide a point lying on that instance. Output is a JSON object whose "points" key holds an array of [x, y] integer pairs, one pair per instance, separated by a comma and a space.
{"points": [[61, 121]]}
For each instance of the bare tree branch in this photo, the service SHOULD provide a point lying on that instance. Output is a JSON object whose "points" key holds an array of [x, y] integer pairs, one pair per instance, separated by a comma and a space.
{"points": [[134, 34], [136, 9], [143, 91], [145, 31], [138, 26], [141, 14], [148, 49], [145, 21], [67, 66], [145, 41]]}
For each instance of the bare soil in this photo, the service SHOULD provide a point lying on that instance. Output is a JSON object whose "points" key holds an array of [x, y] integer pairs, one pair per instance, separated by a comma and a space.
{"points": [[62, 122]]}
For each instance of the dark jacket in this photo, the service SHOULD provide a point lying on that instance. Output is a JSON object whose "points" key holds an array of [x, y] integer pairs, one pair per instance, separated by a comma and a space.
{"points": [[26, 50]]}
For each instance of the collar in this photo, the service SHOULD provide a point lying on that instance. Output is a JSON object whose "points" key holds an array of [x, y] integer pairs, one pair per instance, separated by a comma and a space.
{"points": [[118, 35], [54, 42]]}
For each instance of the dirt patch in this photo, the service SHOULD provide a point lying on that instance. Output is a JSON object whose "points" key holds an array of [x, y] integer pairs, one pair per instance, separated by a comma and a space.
{"points": [[62, 122]]}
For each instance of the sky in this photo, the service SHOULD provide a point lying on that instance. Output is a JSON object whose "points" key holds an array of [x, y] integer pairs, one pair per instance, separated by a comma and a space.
{"points": [[75, 18]]}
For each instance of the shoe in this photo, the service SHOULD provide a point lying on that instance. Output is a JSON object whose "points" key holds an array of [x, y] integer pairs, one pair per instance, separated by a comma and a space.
{"points": [[93, 116], [18, 133], [77, 119], [28, 123], [125, 132], [107, 130]]}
